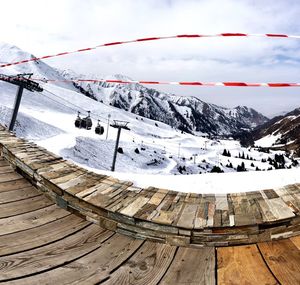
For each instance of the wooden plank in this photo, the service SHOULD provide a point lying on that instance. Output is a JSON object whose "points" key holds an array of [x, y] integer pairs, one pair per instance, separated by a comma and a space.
{"points": [[6, 169], [42, 235], [187, 216], [146, 267], [19, 194], [279, 209], [3, 163], [242, 265], [170, 216], [9, 177], [53, 255], [201, 215], [24, 206], [83, 183], [131, 194], [270, 193], [134, 207], [31, 220], [14, 185], [91, 268], [191, 266], [242, 210], [283, 258], [66, 178], [296, 241]]}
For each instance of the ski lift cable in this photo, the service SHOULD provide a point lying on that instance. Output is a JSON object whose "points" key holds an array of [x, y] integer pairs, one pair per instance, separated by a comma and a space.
{"points": [[76, 108], [145, 142], [59, 103], [140, 40], [93, 115]]}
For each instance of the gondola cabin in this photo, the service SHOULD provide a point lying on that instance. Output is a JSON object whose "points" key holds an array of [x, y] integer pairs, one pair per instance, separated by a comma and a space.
{"points": [[78, 121], [99, 130], [86, 123]]}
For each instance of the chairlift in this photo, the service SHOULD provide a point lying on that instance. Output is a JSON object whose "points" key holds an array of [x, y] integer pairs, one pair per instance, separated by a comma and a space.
{"points": [[86, 123], [78, 121], [99, 130]]}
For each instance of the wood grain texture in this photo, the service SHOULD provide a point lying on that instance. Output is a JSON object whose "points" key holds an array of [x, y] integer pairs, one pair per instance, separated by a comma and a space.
{"points": [[146, 267], [283, 258], [242, 265], [42, 235], [14, 185], [19, 194], [52, 255], [31, 219], [24, 206], [91, 268], [296, 241], [191, 266]]}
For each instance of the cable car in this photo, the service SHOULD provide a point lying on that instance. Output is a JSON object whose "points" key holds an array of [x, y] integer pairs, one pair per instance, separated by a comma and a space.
{"points": [[78, 121], [86, 123], [99, 130]]}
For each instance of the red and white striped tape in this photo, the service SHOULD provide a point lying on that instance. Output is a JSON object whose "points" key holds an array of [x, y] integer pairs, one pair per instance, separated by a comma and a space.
{"points": [[152, 39], [186, 83]]}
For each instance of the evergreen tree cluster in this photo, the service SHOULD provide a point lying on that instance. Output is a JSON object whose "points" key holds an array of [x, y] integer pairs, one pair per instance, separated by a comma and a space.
{"points": [[216, 169], [226, 153], [242, 156], [241, 167]]}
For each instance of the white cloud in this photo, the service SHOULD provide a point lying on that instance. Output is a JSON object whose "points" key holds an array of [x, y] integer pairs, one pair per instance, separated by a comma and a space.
{"points": [[43, 27]]}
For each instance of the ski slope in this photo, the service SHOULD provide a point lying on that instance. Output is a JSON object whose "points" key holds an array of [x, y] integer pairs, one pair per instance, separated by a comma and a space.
{"points": [[49, 121]]}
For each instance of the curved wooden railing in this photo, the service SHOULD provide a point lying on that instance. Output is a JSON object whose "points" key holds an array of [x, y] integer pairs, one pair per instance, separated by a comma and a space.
{"points": [[184, 219]]}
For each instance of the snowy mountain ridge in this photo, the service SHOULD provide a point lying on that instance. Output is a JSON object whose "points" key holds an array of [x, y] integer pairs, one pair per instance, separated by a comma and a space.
{"points": [[188, 114], [282, 132]]}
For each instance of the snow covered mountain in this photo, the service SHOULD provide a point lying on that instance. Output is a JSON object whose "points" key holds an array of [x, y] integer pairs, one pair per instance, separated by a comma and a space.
{"points": [[11, 53], [153, 153], [188, 114], [282, 132]]}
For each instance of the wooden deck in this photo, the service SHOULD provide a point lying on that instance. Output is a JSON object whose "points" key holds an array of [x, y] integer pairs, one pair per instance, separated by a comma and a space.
{"points": [[153, 214], [41, 243]]}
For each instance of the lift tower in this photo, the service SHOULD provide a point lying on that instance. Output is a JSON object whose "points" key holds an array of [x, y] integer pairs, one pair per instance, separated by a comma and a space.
{"points": [[118, 125], [23, 81]]}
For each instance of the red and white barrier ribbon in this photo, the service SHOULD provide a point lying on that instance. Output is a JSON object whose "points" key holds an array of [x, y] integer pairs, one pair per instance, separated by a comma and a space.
{"points": [[186, 83], [152, 39]]}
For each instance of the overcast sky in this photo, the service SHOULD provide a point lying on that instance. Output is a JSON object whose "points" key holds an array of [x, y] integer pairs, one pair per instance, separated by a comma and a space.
{"points": [[43, 27]]}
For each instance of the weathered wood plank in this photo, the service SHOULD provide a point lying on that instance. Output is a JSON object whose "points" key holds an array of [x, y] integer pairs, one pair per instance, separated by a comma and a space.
{"points": [[42, 235], [187, 216], [24, 206], [134, 207], [283, 258], [296, 241], [91, 268], [14, 185], [147, 266], [242, 210], [191, 266], [19, 194], [54, 254], [6, 169], [7, 177], [242, 265], [31, 219]]}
